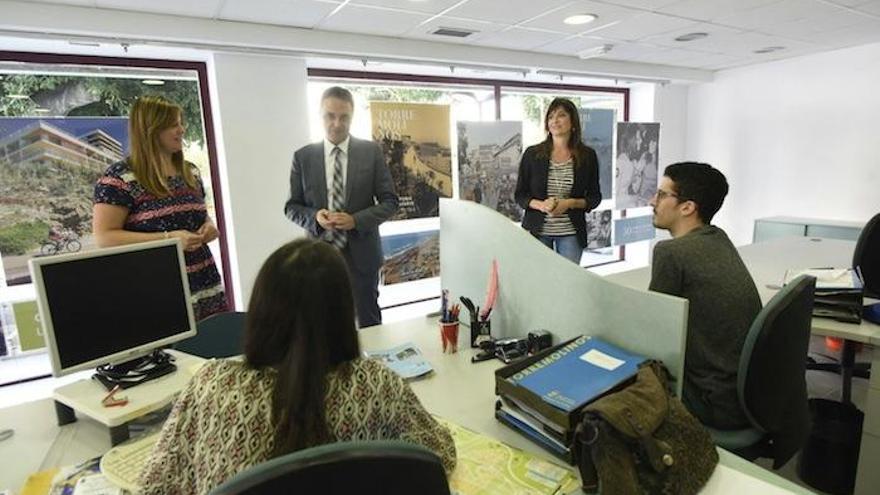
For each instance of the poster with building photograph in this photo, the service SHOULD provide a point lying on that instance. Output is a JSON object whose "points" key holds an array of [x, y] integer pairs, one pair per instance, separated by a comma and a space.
{"points": [[488, 159], [598, 229], [410, 256], [48, 169], [638, 147], [597, 132], [415, 140]]}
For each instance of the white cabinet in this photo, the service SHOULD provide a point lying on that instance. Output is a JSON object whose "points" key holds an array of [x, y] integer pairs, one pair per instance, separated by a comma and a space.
{"points": [[773, 227]]}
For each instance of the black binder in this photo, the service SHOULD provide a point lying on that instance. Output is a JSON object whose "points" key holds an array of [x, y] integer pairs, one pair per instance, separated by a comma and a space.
{"points": [[839, 292]]}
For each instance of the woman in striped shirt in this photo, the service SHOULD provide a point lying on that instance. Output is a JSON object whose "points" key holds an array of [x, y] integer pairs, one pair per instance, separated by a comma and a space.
{"points": [[558, 183], [154, 194]]}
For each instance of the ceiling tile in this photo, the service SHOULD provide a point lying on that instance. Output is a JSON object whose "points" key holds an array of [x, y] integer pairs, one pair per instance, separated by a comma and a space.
{"points": [[641, 26], [870, 7], [424, 6], [572, 45], [777, 13], [642, 4], [710, 10], [805, 29], [607, 14], [370, 20], [191, 8], [866, 32], [632, 52], [719, 37], [301, 13], [84, 3], [512, 11], [520, 39], [482, 29]]}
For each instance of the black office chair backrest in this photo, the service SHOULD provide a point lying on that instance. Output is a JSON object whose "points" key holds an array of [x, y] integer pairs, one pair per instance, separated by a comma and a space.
{"points": [[867, 256], [771, 381], [344, 468], [218, 336]]}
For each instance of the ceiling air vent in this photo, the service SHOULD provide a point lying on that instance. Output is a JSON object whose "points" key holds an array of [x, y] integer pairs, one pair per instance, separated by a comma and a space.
{"points": [[453, 32]]}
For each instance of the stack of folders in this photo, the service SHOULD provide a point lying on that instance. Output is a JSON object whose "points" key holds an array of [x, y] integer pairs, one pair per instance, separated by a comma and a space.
{"points": [[839, 292], [542, 397]]}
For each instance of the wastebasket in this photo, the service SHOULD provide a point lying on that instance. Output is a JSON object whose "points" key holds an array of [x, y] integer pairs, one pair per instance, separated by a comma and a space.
{"points": [[830, 457]]}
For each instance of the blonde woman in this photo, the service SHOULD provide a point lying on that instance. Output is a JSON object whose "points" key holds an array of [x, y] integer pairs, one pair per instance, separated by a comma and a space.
{"points": [[154, 194]]}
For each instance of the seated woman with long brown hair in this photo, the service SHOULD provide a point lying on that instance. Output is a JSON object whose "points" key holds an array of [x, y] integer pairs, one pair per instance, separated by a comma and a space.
{"points": [[302, 383]]}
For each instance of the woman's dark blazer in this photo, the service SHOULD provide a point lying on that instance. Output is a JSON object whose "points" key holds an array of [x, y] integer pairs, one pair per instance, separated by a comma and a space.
{"points": [[531, 183]]}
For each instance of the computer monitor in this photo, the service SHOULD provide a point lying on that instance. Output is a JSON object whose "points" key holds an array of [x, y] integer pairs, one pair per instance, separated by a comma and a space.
{"points": [[110, 306]]}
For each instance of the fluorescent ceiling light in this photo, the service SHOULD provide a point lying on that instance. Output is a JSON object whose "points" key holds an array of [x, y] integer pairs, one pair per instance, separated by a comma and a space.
{"points": [[41, 110], [769, 49], [691, 36], [153, 82], [16, 96], [596, 51], [580, 19]]}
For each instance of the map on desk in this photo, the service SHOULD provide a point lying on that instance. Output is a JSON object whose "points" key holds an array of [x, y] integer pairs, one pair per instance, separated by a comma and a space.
{"points": [[489, 467]]}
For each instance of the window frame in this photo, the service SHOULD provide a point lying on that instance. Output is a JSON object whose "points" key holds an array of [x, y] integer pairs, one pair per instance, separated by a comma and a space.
{"points": [[201, 69]]}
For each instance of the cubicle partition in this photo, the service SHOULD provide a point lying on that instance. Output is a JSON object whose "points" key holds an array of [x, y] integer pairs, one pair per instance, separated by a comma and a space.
{"points": [[539, 289]]}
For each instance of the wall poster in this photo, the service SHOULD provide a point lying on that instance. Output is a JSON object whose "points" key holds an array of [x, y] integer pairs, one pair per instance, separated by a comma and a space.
{"points": [[488, 160], [638, 147], [416, 142]]}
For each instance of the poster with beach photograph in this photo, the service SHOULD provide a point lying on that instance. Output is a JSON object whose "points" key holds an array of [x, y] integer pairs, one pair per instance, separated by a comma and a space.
{"points": [[488, 159], [416, 142], [48, 169], [598, 229], [411, 256], [638, 149], [597, 132]]}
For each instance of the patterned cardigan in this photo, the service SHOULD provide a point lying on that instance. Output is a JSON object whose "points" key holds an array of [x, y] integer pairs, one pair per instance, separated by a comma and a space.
{"points": [[221, 423]]}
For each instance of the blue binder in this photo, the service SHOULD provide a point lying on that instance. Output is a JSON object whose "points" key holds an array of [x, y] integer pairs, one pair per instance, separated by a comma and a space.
{"points": [[578, 373]]}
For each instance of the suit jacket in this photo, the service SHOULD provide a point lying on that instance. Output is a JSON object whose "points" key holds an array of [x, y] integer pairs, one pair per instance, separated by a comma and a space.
{"points": [[531, 183], [369, 197]]}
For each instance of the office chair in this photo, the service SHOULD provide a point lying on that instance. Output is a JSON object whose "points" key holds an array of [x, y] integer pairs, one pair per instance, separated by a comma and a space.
{"points": [[218, 336], [375, 467], [771, 378], [866, 258]]}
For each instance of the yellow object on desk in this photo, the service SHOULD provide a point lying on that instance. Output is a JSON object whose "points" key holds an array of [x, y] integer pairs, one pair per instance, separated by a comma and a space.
{"points": [[489, 467]]}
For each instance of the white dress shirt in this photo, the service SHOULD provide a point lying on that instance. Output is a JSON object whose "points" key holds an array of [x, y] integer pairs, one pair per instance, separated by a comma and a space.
{"points": [[328, 166]]}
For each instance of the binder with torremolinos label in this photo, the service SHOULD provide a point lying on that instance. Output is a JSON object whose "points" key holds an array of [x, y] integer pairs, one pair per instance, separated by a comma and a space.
{"points": [[578, 373]]}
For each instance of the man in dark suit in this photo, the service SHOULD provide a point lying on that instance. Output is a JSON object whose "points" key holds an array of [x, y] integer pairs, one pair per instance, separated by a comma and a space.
{"points": [[340, 191]]}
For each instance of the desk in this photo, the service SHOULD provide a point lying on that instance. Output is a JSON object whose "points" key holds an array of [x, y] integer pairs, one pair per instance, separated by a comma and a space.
{"points": [[458, 390], [767, 263]]}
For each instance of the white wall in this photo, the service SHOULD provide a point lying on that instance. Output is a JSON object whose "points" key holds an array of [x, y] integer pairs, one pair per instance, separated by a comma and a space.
{"points": [[794, 137], [260, 110]]}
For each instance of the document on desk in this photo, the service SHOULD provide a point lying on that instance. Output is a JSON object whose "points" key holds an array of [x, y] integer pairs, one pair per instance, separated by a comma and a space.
{"points": [[406, 360], [489, 467], [828, 278]]}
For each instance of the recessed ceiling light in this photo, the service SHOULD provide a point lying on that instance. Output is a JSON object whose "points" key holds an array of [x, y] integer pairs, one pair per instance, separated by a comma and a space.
{"points": [[580, 19], [769, 49], [691, 36], [16, 96], [153, 82]]}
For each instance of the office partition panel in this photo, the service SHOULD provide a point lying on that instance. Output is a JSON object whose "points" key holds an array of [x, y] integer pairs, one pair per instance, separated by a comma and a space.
{"points": [[538, 289]]}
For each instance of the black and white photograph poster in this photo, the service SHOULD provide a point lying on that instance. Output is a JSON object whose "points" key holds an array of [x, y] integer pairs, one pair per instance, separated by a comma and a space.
{"points": [[598, 229], [638, 146], [488, 158]]}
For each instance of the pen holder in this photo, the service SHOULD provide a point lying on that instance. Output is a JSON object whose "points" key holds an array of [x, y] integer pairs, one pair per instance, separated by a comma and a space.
{"points": [[449, 336], [480, 330]]}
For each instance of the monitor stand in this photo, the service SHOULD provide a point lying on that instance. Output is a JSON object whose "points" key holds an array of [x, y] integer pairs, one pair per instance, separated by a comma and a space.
{"points": [[84, 397], [136, 371]]}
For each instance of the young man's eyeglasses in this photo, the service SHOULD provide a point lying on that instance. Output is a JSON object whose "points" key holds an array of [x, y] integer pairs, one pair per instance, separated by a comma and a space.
{"points": [[661, 195]]}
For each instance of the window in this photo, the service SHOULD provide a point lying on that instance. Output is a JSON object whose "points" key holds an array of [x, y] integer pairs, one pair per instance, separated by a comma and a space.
{"points": [[408, 275], [63, 121]]}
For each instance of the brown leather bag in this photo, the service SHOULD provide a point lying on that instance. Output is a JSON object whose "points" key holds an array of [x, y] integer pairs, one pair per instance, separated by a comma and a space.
{"points": [[642, 440]]}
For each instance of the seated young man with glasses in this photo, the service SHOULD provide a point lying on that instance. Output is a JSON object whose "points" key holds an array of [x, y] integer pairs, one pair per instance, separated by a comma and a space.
{"points": [[700, 264]]}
